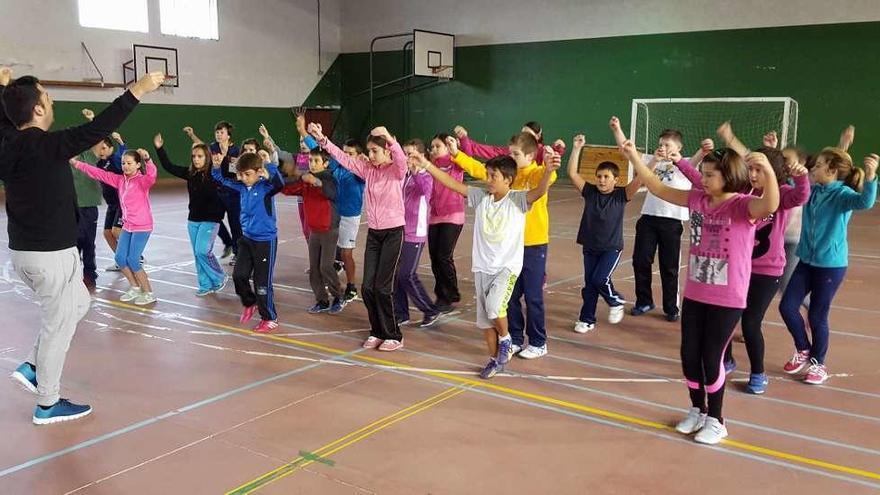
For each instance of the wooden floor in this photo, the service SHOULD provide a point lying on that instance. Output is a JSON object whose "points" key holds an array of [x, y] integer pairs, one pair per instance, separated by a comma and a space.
{"points": [[188, 401]]}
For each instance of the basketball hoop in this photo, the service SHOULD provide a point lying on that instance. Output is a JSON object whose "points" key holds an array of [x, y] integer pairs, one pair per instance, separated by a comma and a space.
{"points": [[442, 72]]}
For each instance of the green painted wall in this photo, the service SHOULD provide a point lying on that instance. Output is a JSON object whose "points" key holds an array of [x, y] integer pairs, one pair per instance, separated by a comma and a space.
{"points": [[574, 86]]}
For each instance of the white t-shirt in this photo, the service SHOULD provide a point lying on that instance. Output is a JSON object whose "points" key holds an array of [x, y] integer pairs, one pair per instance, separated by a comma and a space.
{"points": [[670, 175], [499, 228]]}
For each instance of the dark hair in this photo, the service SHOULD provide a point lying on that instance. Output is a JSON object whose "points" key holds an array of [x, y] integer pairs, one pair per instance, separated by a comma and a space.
{"points": [[526, 142], [611, 167], [378, 141], [224, 125], [205, 171], [442, 137], [777, 162], [672, 134], [320, 152], [137, 159], [20, 98], [801, 153], [354, 143], [505, 165], [811, 161], [416, 143], [251, 141], [249, 161], [108, 141], [732, 168], [535, 127]]}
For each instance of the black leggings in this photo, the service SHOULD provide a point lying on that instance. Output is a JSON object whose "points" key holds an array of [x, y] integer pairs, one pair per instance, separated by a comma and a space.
{"points": [[442, 238], [762, 288], [706, 330]]}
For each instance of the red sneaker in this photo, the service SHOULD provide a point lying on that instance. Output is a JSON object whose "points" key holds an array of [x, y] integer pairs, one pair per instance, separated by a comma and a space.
{"points": [[817, 374], [247, 313], [391, 345], [372, 342], [797, 362], [266, 326]]}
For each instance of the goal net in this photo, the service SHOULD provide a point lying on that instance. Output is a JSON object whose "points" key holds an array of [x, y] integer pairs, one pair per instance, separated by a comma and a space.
{"points": [[698, 119]]}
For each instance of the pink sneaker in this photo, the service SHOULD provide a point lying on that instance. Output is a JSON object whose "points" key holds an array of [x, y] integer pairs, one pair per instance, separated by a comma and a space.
{"points": [[372, 342], [817, 374], [266, 326], [797, 362], [247, 313], [391, 345]]}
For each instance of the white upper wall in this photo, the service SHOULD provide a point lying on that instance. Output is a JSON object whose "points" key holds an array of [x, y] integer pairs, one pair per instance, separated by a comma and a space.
{"points": [[488, 22], [267, 54]]}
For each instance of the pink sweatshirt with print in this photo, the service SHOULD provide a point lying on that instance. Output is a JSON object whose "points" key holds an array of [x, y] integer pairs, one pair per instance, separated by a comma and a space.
{"points": [[134, 194], [768, 257]]}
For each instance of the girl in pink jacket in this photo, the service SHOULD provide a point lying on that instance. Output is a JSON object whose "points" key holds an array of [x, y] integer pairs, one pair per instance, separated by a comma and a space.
{"points": [[138, 176]]}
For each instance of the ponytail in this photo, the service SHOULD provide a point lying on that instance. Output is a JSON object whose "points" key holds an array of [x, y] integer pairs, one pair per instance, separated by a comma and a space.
{"points": [[855, 179], [840, 162]]}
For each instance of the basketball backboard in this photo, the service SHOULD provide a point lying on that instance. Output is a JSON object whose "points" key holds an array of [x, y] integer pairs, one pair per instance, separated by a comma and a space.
{"points": [[433, 54], [147, 58]]}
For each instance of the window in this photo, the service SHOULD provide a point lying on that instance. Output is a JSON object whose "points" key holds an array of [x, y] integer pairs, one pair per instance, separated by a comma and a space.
{"points": [[189, 18], [125, 15]]}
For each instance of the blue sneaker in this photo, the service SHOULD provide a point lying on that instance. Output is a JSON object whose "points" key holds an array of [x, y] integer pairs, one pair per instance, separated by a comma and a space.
{"points": [[321, 307], [729, 366], [26, 376], [204, 292], [505, 351], [757, 383], [336, 307], [640, 310], [63, 410], [491, 369]]}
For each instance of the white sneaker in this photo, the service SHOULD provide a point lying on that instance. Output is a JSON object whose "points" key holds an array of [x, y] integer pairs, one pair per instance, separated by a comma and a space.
{"points": [[515, 348], [145, 298], [712, 432], [532, 352], [584, 327], [615, 314], [131, 294], [694, 421]]}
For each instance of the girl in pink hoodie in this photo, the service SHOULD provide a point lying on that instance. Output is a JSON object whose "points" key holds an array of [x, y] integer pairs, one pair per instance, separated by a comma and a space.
{"points": [[138, 176]]}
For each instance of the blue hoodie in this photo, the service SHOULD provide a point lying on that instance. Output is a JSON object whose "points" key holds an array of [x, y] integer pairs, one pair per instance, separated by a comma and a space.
{"points": [[349, 187], [258, 218], [825, 218]]}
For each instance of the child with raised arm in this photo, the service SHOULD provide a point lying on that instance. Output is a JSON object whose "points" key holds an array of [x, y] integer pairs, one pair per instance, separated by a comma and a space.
{"points": [[486, 151], [497, 253], [383, 172], [205, 213], [530, 284], [722, 229], [600, 234], [138, 176]]}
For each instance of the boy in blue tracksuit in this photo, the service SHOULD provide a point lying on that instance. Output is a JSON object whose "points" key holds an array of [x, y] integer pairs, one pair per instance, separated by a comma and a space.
{"points": [[257, 186]]}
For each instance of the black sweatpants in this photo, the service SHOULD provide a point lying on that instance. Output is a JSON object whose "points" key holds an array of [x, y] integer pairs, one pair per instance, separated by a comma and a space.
{"points": [[380, 272], [256, 259], [442, 238], [662, 235], [706, 330], [232, 202]]}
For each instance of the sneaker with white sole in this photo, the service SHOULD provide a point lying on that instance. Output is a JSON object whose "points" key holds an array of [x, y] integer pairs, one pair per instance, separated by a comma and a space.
{"points": [[691, 423], [491, 369], [390, 345], [204, 292], [266, 326], [533, 352], [584, 327], [26, 376], [505, 351], [63, 410], [372, 342], [145, 298], [817, 374], [130, 295], [797, 362], [712, 432], [227, 252], [615, 314], [222, 285], [515, 348]]}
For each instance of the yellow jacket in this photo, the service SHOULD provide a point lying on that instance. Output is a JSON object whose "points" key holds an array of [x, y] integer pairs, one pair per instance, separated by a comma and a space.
{"points": [[538, 218]]}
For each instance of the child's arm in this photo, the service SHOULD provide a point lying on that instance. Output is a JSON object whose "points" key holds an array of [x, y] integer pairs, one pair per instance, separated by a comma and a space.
{"points": [[770, 140], [328, 186], [398, 158], [577, 145], [424, 183], [151, 172], [552, 161], [688, 167], [768, 202], [652, 182], [217, 173], [619, 137], [633, 187], [847, 137], [470, 166], [192, 135], [800, 193], [472, 148], [167, 164], [726, 133], [356, 165], [865, 199], [96, 173], [440, 176]]}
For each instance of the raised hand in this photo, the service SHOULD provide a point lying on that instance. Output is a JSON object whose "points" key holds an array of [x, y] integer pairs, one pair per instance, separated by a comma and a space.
{"points": [[725, 132], [316, 131], [579, 141], [870, 164], [116, 137], [263, 131], [188, 131], [770, 140], [88, 114], [614, 123], [674, 157], [452, 144], [552, 160], [147, 84], [797, 170], [847, 137], [300, 120], [628, 148], [660, 154], [267, 143], [145, 156], [216, 159], [158, 141], [559, 144], [707, 146], [263, 156], [383, 132], [460, 132], [755, 158], [5, 75]]}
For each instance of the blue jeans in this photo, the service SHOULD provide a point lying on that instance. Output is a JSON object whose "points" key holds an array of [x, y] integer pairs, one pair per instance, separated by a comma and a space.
{"points": [[531, 285], [821, 285], [598, 267], [130, 249], [208, 271]]}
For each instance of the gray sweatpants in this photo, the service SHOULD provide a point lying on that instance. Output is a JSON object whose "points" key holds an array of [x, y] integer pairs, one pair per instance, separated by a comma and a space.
{"points": [[322, 275], [56, 278]]}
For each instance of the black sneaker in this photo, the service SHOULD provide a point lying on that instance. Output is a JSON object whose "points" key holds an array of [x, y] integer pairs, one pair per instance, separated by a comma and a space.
{"points": [[640, 310], [429, 320], [445, 308], [672, 316], [350, 295], [339, 267]]}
